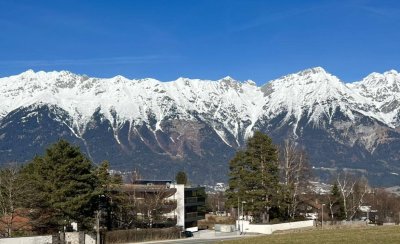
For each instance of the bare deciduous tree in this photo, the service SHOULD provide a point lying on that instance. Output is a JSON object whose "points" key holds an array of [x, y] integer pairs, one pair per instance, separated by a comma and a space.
{"points": [[155, 204], [360, 189], [216, 201], [126, 208], [353, 191], [12, 190], [331, 202], [346, 185], [386, 204], [295, 173]]}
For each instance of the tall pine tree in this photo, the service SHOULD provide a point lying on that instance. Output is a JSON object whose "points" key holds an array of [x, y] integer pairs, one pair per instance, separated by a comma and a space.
{"points": [[63, 188], [337, 204], [254, 177]]}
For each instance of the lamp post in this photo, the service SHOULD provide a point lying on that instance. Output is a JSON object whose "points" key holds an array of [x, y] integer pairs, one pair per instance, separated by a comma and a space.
{"points": [[243, 202], [322, 216], [238, 215], [98, 214]]}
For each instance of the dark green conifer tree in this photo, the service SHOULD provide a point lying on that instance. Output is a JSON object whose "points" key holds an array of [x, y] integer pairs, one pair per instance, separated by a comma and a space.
{"points": [[63, 188], [181, 178], [109, 197], [338, 205], [254, 177]]}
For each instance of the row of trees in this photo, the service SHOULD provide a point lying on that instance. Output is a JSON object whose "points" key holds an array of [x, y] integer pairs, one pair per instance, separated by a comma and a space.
{"points": [[63, 186], [274, 183], [51, 191], [349, 194], [269, 180]]}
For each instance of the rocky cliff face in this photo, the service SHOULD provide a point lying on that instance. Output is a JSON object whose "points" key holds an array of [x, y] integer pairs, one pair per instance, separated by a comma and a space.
{"points": [[197, 125]]}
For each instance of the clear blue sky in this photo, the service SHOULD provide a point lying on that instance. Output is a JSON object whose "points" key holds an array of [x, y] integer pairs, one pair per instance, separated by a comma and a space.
{"points": [[258, 40]]}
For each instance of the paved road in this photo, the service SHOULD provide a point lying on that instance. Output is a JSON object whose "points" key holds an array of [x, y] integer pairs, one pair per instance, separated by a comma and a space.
{"points": [[203, 237], [194, 240]]}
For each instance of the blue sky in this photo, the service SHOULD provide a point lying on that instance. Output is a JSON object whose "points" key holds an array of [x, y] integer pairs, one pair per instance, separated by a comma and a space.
{"points": [[258, 40]]}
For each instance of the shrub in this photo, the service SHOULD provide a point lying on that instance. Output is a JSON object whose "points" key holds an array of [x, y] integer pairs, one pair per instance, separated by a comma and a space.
{"points": [[124, 236], [275, 221]]}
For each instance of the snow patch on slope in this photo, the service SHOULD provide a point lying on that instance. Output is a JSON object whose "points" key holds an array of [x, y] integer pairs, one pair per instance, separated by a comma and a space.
{"points": [[226, 103]]}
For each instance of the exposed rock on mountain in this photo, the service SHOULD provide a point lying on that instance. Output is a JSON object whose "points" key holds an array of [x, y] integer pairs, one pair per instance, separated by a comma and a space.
{"points": [[196, 125]]}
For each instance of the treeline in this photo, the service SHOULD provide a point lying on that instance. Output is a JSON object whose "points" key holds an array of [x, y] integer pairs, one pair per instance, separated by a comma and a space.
{"points": [[351, 195], [63, 186], [50, 192], [270, 182]]}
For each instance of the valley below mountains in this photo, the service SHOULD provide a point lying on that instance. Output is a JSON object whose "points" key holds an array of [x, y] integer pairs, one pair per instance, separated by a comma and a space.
{"points": [[159, 128]]}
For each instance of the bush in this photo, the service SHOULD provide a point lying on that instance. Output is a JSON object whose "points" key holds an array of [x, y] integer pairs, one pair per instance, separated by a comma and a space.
{"points": [[275, 221], [299, 218], [124, 236]]}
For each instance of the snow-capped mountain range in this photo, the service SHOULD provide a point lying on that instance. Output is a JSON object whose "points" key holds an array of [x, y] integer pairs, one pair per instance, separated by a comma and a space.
{"points": [[179, 120]]}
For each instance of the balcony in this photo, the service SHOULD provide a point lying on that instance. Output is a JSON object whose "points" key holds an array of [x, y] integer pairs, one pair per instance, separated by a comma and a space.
{"points": [[194, 201]]}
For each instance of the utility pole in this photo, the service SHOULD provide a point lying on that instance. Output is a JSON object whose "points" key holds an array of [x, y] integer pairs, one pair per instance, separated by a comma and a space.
{"points": [[322, 216]]}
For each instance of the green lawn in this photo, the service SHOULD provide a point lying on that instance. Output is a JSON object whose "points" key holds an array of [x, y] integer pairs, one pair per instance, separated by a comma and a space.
{"points": [[375, 234]]}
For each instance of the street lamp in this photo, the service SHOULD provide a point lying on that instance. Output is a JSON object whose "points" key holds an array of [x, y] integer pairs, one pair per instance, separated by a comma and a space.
{"points": [[238, 215], [243, 202], [98, 216], [322, 216]]}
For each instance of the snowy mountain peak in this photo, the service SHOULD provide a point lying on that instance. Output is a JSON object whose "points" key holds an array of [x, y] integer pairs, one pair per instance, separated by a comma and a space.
{"points": [[250, 82], [382, 91], [391, 72], [118, 118], [201, 122], [228, 78], [313, 94], [388, 78], [314, 76], [228, 83], [314, 70], [27, 72], [42, 77], [120, 78], [227, 102], [317, 74]]}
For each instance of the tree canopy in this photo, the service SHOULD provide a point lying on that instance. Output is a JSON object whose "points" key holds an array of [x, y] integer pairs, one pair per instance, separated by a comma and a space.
{"points": [[181, 178], [63, 187], [254, 176]]}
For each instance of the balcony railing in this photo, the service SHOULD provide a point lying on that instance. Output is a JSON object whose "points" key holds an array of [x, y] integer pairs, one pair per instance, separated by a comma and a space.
{"points": [[194, 200]]}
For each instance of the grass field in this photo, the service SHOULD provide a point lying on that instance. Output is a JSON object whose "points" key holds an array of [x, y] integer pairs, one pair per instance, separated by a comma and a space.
{"points": [[375, 234]]}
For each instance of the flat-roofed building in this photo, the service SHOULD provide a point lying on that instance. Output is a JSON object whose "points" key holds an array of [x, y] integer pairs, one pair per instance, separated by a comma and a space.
{"points": [[164, 201]]}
